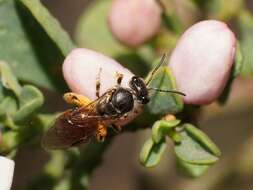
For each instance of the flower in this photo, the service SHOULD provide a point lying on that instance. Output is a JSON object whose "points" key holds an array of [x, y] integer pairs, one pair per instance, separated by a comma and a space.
{"points": [[202, 61], [134, 22]]}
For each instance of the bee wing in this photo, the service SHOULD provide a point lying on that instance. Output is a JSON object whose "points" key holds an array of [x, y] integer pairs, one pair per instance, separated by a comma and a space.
{"points": [[64, 134], [75, 126]]}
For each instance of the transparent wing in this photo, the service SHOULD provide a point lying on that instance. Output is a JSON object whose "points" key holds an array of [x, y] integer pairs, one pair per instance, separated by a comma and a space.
{"points": [[64, 134], [75, 126]]}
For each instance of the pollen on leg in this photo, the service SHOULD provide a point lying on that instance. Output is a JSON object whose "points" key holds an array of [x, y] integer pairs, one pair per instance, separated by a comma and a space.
{"points": [[101, 133], [76, 99]]}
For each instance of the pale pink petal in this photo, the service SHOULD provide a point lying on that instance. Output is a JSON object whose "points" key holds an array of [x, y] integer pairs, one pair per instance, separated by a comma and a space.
{"points": [[133, 22], [202, 61], [81, 68]]}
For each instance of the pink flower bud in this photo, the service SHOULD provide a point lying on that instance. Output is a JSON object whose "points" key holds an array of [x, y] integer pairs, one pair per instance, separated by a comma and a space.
{"points": [[133, 22], [202, 61], [81, 69]]}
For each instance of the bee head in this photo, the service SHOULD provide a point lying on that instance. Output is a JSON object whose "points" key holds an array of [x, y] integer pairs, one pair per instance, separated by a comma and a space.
{"points": [[139, 87]]}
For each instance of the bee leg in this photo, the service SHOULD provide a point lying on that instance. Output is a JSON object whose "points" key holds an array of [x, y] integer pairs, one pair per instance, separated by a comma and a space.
{"points": [[116, 128], [101, 133], [98, 84], [119, 77], [76, 99]]}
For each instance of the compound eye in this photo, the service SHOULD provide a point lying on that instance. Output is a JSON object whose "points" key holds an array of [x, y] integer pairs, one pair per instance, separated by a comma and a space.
{"points": [[145, 99], [140, 89], [135, 78]]}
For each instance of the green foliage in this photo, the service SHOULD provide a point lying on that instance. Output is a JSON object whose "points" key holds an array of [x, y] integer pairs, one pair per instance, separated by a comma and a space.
{"points": [[152, 152], [246, 29], [30, 100], [18, 104], [163, 102], [8, 80], [162, 128], [195, 147], [93, 32], [25, 44], [192, 170], [51, 26], [239, 61]]}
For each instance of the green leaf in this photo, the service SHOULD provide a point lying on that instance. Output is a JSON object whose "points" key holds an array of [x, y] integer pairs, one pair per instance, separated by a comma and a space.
{"points": [[30, 100], [161, 128], [223, 10], [236, 70], [195, 147], [238, 65], [192, 170], [51, 26], [55, 166], [175, 136], [93, 32], [46, 120], [172, 22], [30, 52], [203, 139], [246, 29], [164, 102], [152, 152], [8, 79], [1, 92], [8, 106], [9, 141]]}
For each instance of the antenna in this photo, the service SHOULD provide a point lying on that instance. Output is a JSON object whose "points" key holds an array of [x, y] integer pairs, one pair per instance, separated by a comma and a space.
{"points": [[172, 91], [156, 68]]}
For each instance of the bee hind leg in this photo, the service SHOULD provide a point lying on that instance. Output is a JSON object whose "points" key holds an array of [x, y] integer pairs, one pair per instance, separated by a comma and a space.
{"points": [[76, 99], [101, 133]]}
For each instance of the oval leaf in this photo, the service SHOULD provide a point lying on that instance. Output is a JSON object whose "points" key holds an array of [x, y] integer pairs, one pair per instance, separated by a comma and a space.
{"points": [[30, 99], [203, 139], [164, 102], [8, 106], [195, 149], [161, 128], [8, 79], [191, 170], [238, 60], [9, 141], [246, 30], [29, 46], [151, 152], [51, 26]]}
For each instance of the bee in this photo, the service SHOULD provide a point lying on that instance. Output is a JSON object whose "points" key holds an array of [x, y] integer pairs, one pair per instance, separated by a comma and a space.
{"points": [[90, 119]]}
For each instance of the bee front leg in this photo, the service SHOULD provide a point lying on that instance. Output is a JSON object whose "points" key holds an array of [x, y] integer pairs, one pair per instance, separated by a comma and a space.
{"points": [[119, 77], [116, 128], [101, 133], [76, 99], [98, 84]]}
